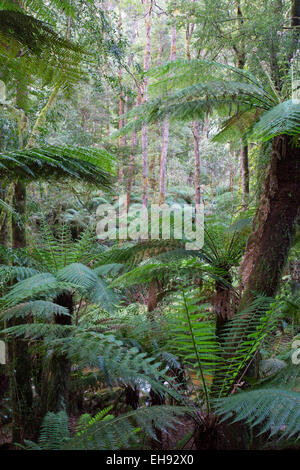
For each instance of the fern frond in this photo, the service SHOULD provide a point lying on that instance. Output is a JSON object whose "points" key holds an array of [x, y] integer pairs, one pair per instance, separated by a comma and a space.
{"points": [[42, 284], [54, 431], [241, 339], [282, 119], [134, 253], [275, 410], [90, 285], [237, 126], [122, 431], [40, 309], [92, 165]]}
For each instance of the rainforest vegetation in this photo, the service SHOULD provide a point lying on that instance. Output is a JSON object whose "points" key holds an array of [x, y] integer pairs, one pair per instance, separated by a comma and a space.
{"points": [[119, 342]]}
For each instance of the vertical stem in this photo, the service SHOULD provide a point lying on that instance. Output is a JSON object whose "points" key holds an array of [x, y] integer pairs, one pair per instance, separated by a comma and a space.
{"points": [[197, 162], [165, 136], [245, 173], [121, 108], [144, 138], [197, 354]]}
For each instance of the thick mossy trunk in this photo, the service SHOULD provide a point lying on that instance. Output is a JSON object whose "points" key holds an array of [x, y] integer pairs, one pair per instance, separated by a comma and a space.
{"points": [[274, 224], [152, 296], [224, 305], [19, 357]]}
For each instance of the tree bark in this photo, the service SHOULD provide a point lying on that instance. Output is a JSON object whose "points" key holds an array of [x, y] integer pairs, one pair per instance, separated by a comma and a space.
{"points": [[197, 161], [245, 173], [19, 356], [132, 156], [273, 227], [195, 129], [55, 388], [241, 56], [121, 109], [165, 136], [144, 138]]}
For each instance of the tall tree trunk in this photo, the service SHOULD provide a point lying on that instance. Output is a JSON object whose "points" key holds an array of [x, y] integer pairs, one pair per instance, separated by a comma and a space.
{"points": [[195, 126], [18, 350], [165, 136], [245, 173], [163, 162], [273, 227], [132, 155], [57, 379], [121, 109], [144, 138], [240, 53], [19, 356], [197, 161]]}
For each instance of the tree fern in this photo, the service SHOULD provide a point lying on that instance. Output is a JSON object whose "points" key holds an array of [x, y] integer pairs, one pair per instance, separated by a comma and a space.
{"points": [[282, 119], [275, 410], [106, 432], [92, 165], [121, 432]]}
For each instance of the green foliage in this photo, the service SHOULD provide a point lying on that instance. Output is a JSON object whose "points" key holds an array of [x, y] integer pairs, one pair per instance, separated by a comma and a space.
{"points": [[273, 406], [33, 47], [104, 431], [54, 432], [123, 431], [283, 119], [92, 165], [241, 339], [225, 363]]}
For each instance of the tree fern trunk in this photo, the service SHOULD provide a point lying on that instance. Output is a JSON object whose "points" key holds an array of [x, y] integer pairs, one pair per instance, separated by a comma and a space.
{"points": [[245, 173], [19, 357], [60, 365], [273, 227]]}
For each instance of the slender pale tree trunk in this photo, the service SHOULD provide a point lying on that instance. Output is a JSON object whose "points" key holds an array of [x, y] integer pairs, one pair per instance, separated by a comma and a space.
{"points": [[231, 172], [240, 54], [132, 155], [121, 110], [144, 137], [196, 135], [195, 126], [165, 136]]}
